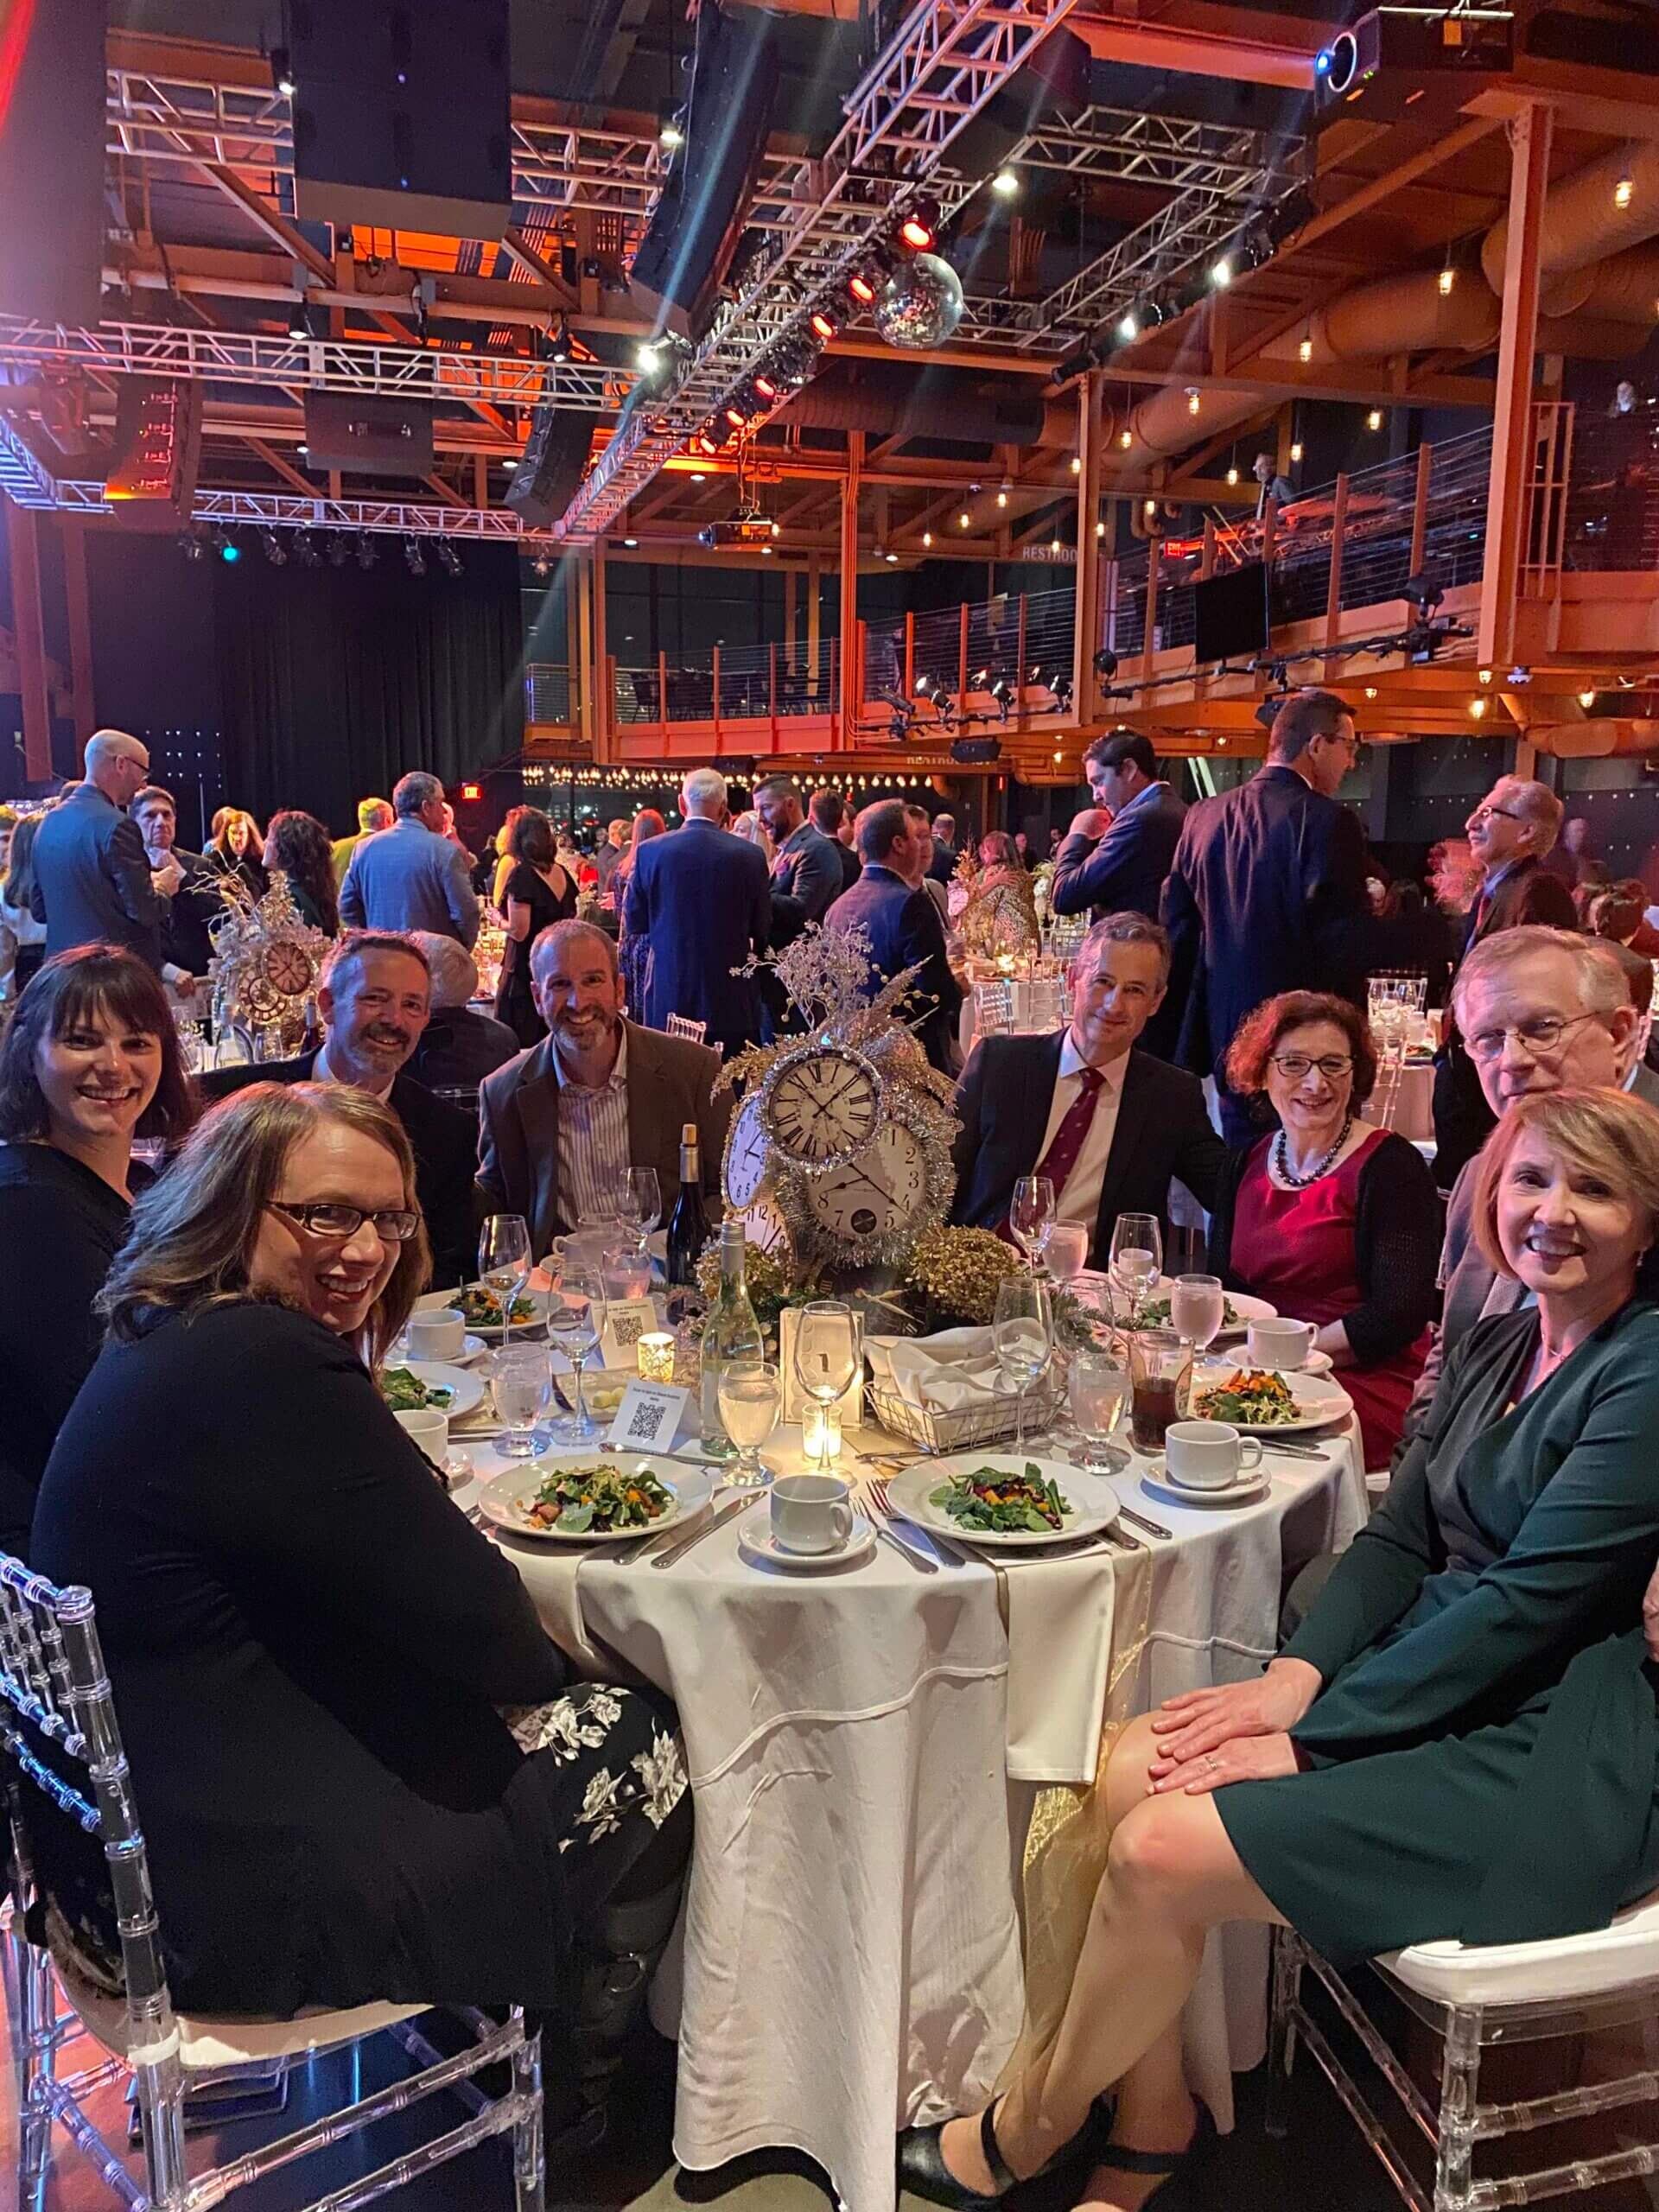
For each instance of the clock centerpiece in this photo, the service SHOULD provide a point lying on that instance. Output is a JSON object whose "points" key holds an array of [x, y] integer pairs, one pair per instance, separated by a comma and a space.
{"points": [[839, 1153], [267, 964]]}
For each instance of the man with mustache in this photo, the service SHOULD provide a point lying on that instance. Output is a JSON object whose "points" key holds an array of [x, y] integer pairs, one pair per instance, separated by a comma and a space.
{"points": [[374, 997], [562, 1123]]}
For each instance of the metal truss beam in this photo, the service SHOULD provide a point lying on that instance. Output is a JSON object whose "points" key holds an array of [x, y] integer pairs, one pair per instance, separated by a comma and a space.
{"points": [[23, 479], [280, 511], [1120, 146], [316, 365], [944, 63]]}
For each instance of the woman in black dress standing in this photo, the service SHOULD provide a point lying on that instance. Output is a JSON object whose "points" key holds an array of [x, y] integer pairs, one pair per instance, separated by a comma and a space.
{"points": [[90, 1061], [537, 893], [310, 1645], [297, 844]]}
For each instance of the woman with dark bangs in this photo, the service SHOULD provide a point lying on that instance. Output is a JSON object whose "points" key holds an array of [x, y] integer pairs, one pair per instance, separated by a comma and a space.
{"points": [[89, 1063]]}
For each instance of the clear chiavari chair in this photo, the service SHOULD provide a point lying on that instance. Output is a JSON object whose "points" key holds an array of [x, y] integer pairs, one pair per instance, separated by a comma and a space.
{"points": [[682, 1025], [59, 1742]]}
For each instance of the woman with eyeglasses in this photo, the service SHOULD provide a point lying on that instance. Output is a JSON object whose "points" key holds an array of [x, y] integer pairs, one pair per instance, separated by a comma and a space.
{"points": [[1330, 1218], [310, 1645]]}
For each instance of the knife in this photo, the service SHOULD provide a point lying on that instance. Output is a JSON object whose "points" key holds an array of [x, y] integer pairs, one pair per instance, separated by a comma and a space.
{"points": [[682, 1544]]}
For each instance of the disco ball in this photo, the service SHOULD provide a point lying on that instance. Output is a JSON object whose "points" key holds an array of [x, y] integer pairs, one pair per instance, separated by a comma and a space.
{"points": [[921, 302]]}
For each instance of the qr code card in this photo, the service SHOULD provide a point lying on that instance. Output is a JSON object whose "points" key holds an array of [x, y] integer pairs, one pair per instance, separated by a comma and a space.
{"points": [[648, 1416]]}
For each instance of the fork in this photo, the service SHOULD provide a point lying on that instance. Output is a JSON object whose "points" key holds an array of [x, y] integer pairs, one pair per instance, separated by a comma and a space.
{"points": [[877, 1487]]}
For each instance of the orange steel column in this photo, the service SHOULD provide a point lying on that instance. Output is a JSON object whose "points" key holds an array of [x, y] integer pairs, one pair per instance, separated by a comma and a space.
{"points": [[78, 604], [1085, 685], [851, 674], [1506, 494], [23, 540], [604, 683]]}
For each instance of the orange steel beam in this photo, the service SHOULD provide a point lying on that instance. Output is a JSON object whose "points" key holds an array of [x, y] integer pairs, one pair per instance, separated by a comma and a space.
{"points": [[1531, 135], [1195, 52], [847, 626], [24, 541], [278, 467], [78, 607], [1085, 628]]}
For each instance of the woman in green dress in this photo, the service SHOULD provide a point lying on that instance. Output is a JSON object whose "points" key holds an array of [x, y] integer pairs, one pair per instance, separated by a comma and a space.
{"points": [[1461, 1740]]}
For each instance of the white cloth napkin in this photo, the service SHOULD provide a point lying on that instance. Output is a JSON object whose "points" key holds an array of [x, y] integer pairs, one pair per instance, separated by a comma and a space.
{"points": [[958, 1367], [1059, 1663]]}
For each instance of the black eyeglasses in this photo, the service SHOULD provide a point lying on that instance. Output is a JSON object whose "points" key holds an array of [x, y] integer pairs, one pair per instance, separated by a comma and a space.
{"points": [[394, 1226], [1482, 813], [1295, 1065]]}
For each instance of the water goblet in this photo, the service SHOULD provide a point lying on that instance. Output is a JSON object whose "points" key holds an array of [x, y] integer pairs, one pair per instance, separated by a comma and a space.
{"points": [[576, 1322], [521, 1382], [1137, 1258], [1064, 1247], [1023, 1333], [1031, 1212], [504, 1261], [1098, 1390], [1197, 1309], [750, 1398]]}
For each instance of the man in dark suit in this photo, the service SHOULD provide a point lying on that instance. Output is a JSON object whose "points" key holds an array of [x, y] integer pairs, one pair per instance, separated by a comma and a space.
{"points": [[806, 865], [1114, 857], [1110, 1126], [703, 898], [942, 860], [1511, 833], [374, 998], [91, 877], [187, 886], [828, 813], [597, 1096], [1267, 891], [902, 923]]}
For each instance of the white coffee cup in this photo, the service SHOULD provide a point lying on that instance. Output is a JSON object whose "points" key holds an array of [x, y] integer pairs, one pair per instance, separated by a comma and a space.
{"points": [[428, 1427], [1208, 1454], [1281, 1344], [811, 1513], [440, 1332]]}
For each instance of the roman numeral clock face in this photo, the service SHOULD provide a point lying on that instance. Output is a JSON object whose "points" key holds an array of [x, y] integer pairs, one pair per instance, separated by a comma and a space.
{"points": [[822, 1107]]}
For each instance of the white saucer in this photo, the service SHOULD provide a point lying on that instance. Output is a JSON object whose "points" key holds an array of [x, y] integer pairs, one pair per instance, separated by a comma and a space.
{"points": [[1248, 1490], [471, 1346], [760, 1548]]}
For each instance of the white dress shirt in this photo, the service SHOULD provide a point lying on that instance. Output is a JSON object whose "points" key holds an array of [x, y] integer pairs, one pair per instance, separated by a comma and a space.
{"points": [[1079, 1200]]}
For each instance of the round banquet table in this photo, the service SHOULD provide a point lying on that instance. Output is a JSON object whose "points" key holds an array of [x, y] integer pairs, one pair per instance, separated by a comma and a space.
{"points": [[865, 1746]]}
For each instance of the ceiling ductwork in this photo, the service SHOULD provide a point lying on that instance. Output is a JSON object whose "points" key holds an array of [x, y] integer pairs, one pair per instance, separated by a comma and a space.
{"points": [[958, 407]]}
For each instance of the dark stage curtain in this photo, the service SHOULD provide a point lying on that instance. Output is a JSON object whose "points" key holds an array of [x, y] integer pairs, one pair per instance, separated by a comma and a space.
{"points": [[334, 682]]}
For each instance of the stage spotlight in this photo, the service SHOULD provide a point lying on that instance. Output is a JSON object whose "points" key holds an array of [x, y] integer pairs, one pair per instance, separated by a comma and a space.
{"points": [[281, 72], [339, 549], [1221, 273], [648, 356], [1128, 329], [764, 386], [273, 549], [305, 549], [298, 325], [1105, 664], [449, 554], [228, 549], [670, 135], [824, 324], [1422, 592], [920, 225], [862, 287], [367, 551], [1005, 183], [414, 556], [736, 416], [1061, 687], [558, 344], [193, 546]]}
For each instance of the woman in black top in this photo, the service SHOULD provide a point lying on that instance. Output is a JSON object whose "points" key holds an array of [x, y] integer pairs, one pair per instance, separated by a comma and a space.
{"points": [[91, 1060], [537, 893], [297, 844], [237, 848], [309, 1644]]}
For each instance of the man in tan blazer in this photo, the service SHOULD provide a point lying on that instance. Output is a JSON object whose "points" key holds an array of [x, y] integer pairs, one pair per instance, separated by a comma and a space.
{"points": [[558, 1125]]}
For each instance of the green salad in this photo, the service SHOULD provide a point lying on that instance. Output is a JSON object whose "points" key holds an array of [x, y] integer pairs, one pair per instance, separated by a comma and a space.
{"points": [[989, 1502], [600, 1500], [1154, 1314], [405, 1393], [482, 1308]]}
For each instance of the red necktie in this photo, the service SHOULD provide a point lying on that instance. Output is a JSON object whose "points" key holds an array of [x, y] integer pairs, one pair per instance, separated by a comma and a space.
{"points": [[1061, 1157]]}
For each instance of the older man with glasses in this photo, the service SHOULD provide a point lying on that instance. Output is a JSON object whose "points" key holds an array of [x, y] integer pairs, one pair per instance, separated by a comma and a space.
{"points": [[1511, 833]]}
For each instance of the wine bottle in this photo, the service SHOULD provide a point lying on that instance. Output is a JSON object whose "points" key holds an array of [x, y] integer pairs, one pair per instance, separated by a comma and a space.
{"points": [[730, 1332], [687, 1225]]}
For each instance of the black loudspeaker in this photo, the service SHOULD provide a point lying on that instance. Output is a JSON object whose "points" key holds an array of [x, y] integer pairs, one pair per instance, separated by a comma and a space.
{"points": [[688, 242], [52, 160], [151, 479], [401, 114], [550, 469], [375, 436]]}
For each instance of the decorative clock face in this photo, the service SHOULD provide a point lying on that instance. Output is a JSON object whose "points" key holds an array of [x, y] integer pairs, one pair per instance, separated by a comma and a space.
{"points": [[288, 969], [764, 1225], [822, 1106], [875, 1193], [745, 1155], [263, 1003]]}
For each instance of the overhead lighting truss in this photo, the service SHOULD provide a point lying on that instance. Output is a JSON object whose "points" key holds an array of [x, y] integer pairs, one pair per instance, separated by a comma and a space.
{"points": [[944, 63], [1120, 146], [431, 373]]}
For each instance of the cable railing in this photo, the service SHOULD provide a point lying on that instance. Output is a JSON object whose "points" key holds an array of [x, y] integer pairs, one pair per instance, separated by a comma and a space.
{"points": [[547, 693], [780, 682], [1018, 639]]}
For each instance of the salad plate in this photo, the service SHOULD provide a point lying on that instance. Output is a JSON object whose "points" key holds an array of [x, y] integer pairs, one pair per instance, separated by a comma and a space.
{"points": [[408, 1385], [1004, 1498], [576, 1498], [1266, 1401]]}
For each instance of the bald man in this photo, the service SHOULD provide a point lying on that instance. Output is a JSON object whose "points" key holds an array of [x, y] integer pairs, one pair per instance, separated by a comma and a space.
{"points": [[92, 874]]}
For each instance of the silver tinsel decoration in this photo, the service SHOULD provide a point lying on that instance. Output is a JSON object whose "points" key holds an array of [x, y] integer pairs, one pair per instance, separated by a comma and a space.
{"points": [[921, 302]]}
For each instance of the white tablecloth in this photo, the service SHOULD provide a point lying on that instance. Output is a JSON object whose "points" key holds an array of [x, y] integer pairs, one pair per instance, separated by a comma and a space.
{"points": [[851, 1956]]}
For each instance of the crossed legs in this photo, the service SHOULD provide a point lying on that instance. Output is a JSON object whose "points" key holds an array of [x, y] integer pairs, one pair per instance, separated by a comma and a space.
{"points": [[1171, 1876]]}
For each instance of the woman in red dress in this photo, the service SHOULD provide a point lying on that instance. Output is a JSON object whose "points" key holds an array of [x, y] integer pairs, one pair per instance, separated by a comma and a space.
{"points": [[1331, 1219]]}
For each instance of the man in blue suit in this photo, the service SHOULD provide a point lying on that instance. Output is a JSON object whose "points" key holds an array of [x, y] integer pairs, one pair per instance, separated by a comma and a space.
{"points": [[902, 922], [411, 876], [703, 899], [92, 874], [1117, 852]]}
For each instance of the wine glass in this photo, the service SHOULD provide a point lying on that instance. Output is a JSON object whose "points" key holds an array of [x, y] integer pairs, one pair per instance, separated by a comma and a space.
{"points": [[639, 1199], [521, 1382], [625, 1266], [750, 1396], [1137, 1258], [576, 1322], [1197, 1309], [1023, 1332], [1063, 1246], [829, 1351], [1098, 1390], [504, 1261], [1031, 1211]]}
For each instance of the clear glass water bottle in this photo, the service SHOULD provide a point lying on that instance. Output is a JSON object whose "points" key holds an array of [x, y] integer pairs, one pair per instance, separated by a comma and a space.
{"points": [[731, 1332]]}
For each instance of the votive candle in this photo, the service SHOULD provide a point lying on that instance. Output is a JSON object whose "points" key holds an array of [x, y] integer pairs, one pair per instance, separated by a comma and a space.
{"points": [[821, 1434], [657, 1356]]}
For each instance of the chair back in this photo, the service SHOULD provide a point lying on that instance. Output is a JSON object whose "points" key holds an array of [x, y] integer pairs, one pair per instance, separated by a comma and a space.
{"points": [[52, 1682], [681, 1024]]}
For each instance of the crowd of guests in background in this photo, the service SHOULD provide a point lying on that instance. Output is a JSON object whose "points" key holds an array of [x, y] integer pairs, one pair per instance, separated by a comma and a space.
{"points": [[289, 1214]]}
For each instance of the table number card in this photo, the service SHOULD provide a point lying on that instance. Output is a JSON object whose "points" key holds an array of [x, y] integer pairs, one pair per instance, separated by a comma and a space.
{"points": [[625, 1322], [850, 1405], [648, 1416]]}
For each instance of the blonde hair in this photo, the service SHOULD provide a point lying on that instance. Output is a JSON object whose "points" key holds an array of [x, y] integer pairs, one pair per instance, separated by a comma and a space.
{"points": [[1603, 1133], [193, 1231]]}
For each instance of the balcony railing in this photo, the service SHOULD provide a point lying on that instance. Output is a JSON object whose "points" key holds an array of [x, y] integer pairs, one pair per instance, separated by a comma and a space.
{"points": [[728, 684], [547, 694]]}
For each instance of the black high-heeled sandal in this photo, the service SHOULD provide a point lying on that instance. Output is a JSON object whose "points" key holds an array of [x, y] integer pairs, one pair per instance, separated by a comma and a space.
{"points": [[1165, 2165], [923, 2171]]}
